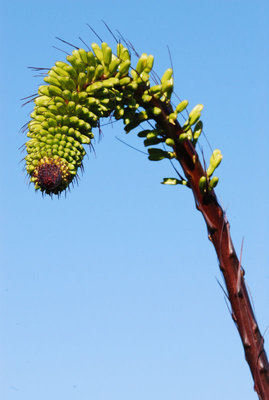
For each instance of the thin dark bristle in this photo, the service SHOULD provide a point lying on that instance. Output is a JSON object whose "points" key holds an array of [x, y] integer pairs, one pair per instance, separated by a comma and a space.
{"points": [[122, 38], [222, 288], [155, 77], [24, 127], [132, 147], [75, 181], [229, 309], [92, 149], [207, 141], [22, 147], [63, 51], [29, 101], [82, 169], [133, 48], [84, 43], [264, 333], [203, 156], [26, 178], [95, 33], [170, 57], [251, 298], [120, 35], [178, 98], [151, 125], [110, 31], [128, 44], [69, 44], [38, 68], [100, 133], [28, 97], [110, 122], [171, 63], [40, 75], [174, 168], [22, 160]]}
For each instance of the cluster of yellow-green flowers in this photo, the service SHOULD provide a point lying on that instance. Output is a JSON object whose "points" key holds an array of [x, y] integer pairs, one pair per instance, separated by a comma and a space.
{"points": [[78, 93]]}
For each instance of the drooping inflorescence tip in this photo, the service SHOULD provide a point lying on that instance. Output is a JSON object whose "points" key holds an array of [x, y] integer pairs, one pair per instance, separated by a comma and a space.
{"points": [[76, 95], [92, 85]]}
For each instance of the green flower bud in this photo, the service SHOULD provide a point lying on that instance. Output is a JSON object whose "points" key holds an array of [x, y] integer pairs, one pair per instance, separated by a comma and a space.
{"points": [[167, 75], [181, 106], [203, 184], [213, 183], [107, 54], [195, 114], [114, 65], [215, 160], [124, 68], [98, 52], [170, 142]]}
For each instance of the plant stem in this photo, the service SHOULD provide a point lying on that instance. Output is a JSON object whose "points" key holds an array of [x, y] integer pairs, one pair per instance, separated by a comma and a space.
{"points": [[219, 235]]}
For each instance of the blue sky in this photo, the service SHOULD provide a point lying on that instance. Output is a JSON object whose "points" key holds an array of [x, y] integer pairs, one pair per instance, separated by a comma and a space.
{"points": [[111, 292]]}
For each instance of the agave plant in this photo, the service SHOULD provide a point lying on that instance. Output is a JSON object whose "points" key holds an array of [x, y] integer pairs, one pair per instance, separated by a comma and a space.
{"points": [[95, 84]]}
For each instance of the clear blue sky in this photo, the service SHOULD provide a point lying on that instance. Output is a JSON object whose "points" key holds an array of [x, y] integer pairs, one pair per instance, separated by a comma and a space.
{"points": [[111, 293]]}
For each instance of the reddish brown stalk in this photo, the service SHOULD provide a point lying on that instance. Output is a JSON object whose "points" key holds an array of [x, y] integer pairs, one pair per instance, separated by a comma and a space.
{"points": [[219, 235]]}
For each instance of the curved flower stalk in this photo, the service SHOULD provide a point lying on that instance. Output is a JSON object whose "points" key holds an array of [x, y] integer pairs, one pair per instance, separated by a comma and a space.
{"points": [[96, 84], [92, 85]]}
